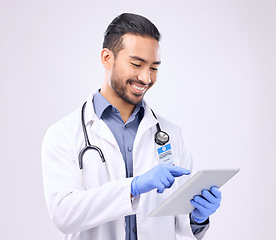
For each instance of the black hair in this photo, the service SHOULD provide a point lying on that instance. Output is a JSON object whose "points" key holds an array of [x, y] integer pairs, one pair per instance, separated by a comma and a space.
{"points": [[128, 23]]}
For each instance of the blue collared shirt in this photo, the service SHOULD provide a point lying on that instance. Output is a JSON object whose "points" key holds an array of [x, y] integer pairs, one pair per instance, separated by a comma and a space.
{"points": [[124, 134]]}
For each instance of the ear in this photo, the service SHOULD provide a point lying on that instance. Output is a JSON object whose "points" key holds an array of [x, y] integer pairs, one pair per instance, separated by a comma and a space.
{"points": [[107, 58]]}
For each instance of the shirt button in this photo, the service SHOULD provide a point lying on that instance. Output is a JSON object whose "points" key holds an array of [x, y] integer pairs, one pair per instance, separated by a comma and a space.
{"points": [[129, 149], [135, 230]]}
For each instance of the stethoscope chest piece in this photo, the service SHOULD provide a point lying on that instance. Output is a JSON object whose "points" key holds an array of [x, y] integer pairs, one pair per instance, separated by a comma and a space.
{"points": [[161, 138]]}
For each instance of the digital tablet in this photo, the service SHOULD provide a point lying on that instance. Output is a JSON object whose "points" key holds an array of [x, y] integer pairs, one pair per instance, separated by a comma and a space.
{"points": [[179, 202]]}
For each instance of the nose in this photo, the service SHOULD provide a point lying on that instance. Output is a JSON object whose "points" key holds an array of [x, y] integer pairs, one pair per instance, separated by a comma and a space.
{"points": [[144, 76]]}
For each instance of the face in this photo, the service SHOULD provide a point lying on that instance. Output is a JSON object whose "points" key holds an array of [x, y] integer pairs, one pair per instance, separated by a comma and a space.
{"points": [[135, 67]]}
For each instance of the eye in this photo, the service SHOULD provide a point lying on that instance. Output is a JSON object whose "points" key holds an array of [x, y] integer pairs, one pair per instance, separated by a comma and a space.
{"points": [[154, 69], [136, 65]]}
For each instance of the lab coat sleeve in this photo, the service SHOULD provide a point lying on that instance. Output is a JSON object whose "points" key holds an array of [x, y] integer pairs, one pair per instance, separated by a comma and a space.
{"points": [[72, 208], [199, 230]]}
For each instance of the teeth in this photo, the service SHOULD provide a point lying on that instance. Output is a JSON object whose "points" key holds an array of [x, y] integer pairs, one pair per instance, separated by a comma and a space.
{"points": [[138, 88]]}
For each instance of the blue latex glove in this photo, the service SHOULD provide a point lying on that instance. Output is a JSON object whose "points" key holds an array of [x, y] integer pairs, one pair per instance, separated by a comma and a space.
{"points": [[160, 177], [206, 204]]}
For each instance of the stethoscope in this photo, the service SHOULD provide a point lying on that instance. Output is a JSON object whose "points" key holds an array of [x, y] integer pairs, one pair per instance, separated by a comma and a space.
{"points": [[161, 138]]}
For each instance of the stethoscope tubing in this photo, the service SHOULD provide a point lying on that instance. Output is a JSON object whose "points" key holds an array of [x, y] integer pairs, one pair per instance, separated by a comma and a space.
{"points": [[89, 146]]}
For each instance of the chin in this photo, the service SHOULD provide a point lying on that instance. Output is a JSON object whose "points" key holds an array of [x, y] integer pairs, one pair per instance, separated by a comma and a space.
{"points": [[134, 101]]}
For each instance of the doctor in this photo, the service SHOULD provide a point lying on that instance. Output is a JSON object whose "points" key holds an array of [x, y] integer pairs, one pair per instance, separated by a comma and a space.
{"points": [[111, 198]]}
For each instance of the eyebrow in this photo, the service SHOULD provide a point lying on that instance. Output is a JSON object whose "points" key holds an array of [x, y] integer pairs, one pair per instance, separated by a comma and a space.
{"points": [[143, 60]]}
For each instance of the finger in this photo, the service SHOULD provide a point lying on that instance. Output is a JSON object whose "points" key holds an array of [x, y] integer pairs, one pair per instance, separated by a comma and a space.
{"points": [[178, 171], [216, 192], [159, 185], [209, 196], [198, 206], [165, 181], [166, 178], [169, 177], [161, 188], [203, 202]]}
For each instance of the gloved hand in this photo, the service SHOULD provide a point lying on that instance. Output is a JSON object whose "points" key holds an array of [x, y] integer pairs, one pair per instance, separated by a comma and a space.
{"points": [[160, 177], [206, 204]]}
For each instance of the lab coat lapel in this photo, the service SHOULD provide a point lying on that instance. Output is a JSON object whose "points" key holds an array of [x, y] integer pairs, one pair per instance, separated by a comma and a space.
{"points": [[143, 151], [98, 126], [147, 122], [101, 129]]}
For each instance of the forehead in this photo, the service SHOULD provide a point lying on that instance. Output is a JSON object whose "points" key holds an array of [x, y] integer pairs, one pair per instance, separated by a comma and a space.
{"points": [[143, 47]]}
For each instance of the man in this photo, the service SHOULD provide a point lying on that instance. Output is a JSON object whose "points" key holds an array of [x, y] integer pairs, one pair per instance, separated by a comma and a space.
{"points": [[123, 177]]}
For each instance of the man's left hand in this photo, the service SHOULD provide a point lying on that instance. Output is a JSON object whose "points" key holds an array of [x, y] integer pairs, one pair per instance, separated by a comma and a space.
{"points": [[205, 204]]}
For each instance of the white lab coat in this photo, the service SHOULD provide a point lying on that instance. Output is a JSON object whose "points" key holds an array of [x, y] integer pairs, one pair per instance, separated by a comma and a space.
{"points": [[98, 212]]}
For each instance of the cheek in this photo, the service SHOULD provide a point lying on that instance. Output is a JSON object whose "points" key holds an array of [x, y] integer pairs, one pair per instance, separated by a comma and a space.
{"points": [[120, 74], [153, 77], [128, 72]]}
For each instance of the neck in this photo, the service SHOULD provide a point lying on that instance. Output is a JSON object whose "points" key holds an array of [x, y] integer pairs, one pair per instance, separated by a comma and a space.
{"points": [[123, 107]]}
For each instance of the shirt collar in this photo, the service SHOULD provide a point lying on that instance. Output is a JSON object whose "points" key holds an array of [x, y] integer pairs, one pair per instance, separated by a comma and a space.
{"points": [[101, 104]]}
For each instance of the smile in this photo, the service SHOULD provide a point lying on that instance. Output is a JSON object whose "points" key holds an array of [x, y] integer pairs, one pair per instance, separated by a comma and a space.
{"points": [[138, 88]]}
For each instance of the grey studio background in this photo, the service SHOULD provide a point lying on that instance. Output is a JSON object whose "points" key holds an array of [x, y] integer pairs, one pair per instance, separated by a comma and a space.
{"points": [[217, 81]]}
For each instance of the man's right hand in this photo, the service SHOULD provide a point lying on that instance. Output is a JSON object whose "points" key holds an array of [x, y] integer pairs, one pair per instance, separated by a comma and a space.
{"points": [[161, 177]]}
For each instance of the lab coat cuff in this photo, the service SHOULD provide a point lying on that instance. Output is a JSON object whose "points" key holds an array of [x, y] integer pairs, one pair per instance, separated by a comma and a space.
{"points": [[134, 200], [199, 229]]}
